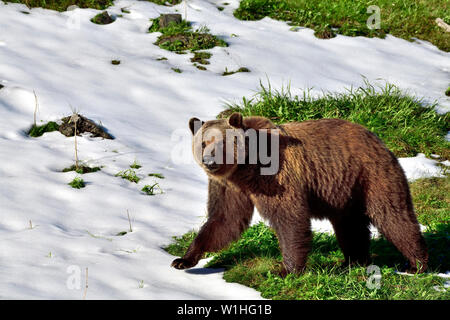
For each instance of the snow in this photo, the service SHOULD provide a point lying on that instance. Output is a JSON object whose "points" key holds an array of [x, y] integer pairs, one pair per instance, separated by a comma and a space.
{"points": [[66, 60], [422, 167]]}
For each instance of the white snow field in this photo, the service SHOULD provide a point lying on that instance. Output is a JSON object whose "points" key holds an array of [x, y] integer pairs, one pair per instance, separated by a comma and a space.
{"points": [[66, 60]]}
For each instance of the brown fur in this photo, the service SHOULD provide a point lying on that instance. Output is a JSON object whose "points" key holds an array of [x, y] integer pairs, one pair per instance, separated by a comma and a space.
{"points": [[329, 168]]}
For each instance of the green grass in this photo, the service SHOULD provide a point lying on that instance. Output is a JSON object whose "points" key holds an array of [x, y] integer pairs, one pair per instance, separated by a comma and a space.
{"points": [[37, 131], [228, 72], [135, 165], [177, 70], [199, 67], [255, 261], [201, 57], [447, 92], [179, 37], [406, 19], [82, 169], [152, 190], [77, 183], [163, 2], [129, 175], [62, 5], [432, 201], [156, 175], [401, 121]]}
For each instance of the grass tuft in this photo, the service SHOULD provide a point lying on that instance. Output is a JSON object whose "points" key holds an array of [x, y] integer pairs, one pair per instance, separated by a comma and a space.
{"points": [[37, 131], [77, 183], [405, 126], [227, 72], [156, 175], [201, 57], [135, 165], [152, 190], [81, 169], [129, 175], [179, 37]]}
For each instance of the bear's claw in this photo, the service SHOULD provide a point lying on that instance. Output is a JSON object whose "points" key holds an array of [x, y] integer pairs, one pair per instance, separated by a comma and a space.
{"points": [[181, 264]]}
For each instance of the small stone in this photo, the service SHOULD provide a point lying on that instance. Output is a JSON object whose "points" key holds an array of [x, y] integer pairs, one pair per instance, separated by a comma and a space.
{"points": [[166, 19], [103, 18]]}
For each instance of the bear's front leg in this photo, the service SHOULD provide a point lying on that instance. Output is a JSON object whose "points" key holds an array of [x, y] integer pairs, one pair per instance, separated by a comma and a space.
{"points": [[229, 214], [294, 236]]}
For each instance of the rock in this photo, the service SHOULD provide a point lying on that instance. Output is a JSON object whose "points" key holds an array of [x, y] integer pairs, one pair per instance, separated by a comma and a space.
{"points": [[103, 18], [166, 19], [84, 125]]}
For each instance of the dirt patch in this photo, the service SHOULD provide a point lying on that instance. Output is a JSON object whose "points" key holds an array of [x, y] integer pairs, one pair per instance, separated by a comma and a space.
{"points": [[325, 33]]}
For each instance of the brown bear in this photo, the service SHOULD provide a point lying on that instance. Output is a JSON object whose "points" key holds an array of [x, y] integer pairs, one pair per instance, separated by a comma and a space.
{"points": [[328, 168]]}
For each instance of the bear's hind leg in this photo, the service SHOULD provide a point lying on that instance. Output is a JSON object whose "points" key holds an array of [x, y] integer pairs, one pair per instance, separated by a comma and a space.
{"points": [[353, 235], [405, 235], [395, 218]]}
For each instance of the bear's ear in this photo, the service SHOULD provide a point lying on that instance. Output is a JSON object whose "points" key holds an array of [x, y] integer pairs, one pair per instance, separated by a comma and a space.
{"points": [[236, 120], [195, 124]]}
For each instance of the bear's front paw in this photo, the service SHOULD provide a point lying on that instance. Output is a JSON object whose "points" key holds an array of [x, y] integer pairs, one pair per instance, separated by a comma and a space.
{"points": [[181, 264]]}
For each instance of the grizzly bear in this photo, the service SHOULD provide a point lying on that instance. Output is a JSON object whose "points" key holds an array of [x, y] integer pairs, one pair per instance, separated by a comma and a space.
{"points": [[328, 169]]}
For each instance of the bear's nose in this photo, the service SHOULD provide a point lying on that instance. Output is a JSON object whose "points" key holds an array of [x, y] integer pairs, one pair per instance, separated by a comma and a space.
{"points": [[210, 162]]}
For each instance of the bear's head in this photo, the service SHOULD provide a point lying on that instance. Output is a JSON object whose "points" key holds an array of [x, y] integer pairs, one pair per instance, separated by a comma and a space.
{"points": [[219, 145]]}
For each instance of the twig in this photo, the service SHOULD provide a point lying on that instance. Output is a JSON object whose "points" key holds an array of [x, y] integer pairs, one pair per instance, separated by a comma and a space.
{"points": [[36, 107], [74, 118], [129, 221]]}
